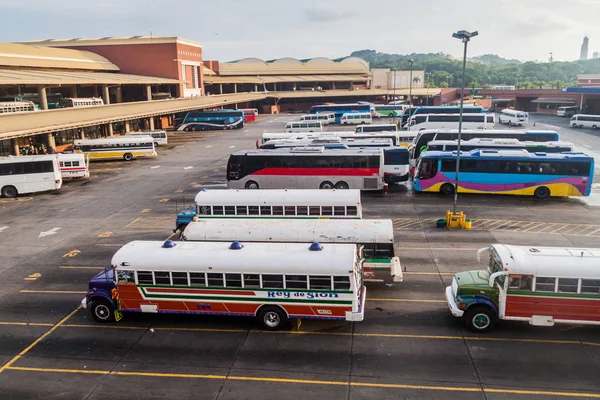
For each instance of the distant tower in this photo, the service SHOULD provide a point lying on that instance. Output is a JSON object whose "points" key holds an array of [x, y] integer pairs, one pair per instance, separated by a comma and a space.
{"points": [[584, 48], [596, 55]]}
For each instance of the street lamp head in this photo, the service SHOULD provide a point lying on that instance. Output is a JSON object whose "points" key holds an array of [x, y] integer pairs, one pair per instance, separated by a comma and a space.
{"points": [[411, 61], [465, 35]]}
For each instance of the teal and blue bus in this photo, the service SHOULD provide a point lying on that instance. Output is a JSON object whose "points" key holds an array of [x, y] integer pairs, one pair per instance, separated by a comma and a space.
{"points": [[53, 99], [340, 109], [516, 172], [210, 120], [439, 110]]}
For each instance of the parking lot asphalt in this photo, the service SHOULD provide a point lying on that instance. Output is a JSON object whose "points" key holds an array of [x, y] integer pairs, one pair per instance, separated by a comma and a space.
{"points": [[408, 346]]}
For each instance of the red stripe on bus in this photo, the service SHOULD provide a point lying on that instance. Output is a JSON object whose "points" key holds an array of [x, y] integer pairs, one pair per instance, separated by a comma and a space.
{"points": [[318, 171], [175, 290], [557, 307]]}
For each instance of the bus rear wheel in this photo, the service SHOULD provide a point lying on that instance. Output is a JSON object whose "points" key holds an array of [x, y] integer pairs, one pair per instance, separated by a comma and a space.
{"points": [[9, 191], [272, 318], [480, 319], [594, 127], [127, 156], [251, 185], [326, 185], [542, 192], [447, 189], [102, 311], [342, 185]]}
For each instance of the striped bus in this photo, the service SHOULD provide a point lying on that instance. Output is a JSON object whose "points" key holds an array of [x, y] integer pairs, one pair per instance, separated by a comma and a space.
{"points": [[376, 236], [125, 147], [540, 285], [273, 282]]}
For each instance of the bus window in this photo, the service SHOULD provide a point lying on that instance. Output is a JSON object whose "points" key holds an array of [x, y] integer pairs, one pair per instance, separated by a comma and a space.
{"points": [[520, 282], [428, 169], [544, 284]]}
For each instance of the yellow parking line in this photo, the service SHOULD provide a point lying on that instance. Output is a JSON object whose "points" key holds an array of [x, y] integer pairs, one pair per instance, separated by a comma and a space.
{"points": [[591, 233], [7, 323], [17, 200], [134, 221], [315, 382], [535, 225]]}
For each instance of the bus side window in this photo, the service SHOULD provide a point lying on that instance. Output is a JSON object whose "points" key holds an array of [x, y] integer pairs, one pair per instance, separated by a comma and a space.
{"points": [[233, 280], [520, 282], [341, 283], [590, 286], [314, 210], [568, 285], [145, 278], [215, 279], [162, 278], [125, 277], [251, 280], [351, 210], [543, 284], [296, 282], [180, 278], [272, 281], [204, 210], [253, 210], [302, 210], [320, 282], [265, 210]]}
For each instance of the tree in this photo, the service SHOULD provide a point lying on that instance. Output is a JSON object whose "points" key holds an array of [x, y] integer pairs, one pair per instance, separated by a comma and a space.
{"points": [[443, 84], [538, 84]]}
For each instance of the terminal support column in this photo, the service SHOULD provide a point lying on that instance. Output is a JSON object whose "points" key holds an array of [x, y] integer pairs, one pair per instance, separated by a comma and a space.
{"points": [[50, 142], [220, 88], [16, 149], [235, 88], [119, 94], [127, 126], [81, 134], [148, 92], [105, 95], [151, 123], [109, 130], [43, 97]]}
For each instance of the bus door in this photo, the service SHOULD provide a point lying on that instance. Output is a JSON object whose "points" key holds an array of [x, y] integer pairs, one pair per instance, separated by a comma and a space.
{"points": [[234, 168]]}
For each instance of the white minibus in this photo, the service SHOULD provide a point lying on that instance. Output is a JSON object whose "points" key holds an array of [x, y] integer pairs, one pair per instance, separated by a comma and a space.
{"points": [[420, 122], [513, 117], [29, 174], [304, 126], [160, 137], [376, 128], [585, 121], [567, 111], [325, 118], [356, 118]]}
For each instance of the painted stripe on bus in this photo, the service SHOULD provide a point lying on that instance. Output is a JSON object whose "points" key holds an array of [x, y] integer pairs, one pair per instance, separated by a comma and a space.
{"points": [[317, 172], [233, 289]]}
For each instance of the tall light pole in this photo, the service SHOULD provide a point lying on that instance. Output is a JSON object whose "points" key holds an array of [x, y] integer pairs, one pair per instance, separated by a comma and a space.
{"points": [[394, 93], [550, 69], [411, 61], [464, 36], [387, 90]]}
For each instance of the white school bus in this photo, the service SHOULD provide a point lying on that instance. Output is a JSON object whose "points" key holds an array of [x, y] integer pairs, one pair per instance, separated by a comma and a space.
{"points": [[125, 147]]}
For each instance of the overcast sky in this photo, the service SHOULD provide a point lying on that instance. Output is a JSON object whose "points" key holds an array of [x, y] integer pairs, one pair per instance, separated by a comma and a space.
{"points": [[233, 29]]}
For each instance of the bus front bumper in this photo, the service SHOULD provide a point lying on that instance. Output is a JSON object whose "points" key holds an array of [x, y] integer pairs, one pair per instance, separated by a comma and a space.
{"points": [[360, 314], [457, 312], [84, 302]]}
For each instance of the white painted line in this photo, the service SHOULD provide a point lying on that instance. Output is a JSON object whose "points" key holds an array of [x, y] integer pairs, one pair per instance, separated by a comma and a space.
{"points": [[190, 167], [3, 228], [154, 167], [208, 146], [231, 147], [48, 233]]}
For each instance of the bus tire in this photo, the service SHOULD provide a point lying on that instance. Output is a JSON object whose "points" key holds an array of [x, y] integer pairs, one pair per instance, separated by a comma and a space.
{"points": [[251, 185], [155, 144], [186, 129], [272, 318], [326, 185], [574, 125], [480, 319], [342, 185], [102, 311], [128, 156], [230, 127], [447, 188], [581, 126], [594, 127], [9, 191], [542, 192]]}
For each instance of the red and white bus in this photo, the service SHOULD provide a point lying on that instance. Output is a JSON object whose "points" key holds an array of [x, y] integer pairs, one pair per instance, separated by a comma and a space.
{"points": [[273, 282], [73, 165], [250, 114], [539, 285], [306, 168]]}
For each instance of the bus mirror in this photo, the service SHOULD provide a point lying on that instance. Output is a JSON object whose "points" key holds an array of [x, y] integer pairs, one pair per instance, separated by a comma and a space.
{"points": [[494, 276], [481, 252]]}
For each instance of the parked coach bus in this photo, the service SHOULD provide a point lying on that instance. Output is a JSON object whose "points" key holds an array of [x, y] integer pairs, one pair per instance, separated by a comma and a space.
{"points": [[125, 147], [340, 109], [160, 137], [285, 203], [325, 118], [273, 282], [306, 168], [500, 144], [450, 121], [376, 236], [396, 137], [73, 166], [29, 174], [506, 172], [540, 285], [210, 120], [249, 114], [424, 137]]}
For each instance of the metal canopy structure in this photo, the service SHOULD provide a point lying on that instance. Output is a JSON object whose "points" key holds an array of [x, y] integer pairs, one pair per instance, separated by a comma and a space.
{"points": [[40, 77], [284, 79], [550, 100]]}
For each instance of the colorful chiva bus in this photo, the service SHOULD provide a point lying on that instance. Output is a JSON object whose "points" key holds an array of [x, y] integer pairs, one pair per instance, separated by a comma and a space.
{"points": [[273, 282], [210, 120], [539, 285], [506, 172], [73, 166], [376, 236], [282, 203], [126, 147]]}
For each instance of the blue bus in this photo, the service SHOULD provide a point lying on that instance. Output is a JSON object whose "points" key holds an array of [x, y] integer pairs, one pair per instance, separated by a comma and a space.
{"points": [[425, 136], [439, 110], [210, 120], [516, 172], [340, 109]]}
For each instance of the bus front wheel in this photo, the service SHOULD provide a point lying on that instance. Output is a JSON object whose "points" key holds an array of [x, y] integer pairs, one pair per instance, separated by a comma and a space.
{"points": [[128, 156], [594, 127], [272, 318], [342, 185], [251, 185], [480, 319], [542, 192], [447, 189], [102, 311], [9, 191], [326, 185]]}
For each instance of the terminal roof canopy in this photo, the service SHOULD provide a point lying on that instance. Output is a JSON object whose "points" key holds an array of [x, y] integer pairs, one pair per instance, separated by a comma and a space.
{"points": [[291, 66], [14, 55], [38, 77]]}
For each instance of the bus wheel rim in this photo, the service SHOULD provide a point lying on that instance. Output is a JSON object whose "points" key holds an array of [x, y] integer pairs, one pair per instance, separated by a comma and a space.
{"points": [[481, 321], [272, 319], [102, 311]]}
